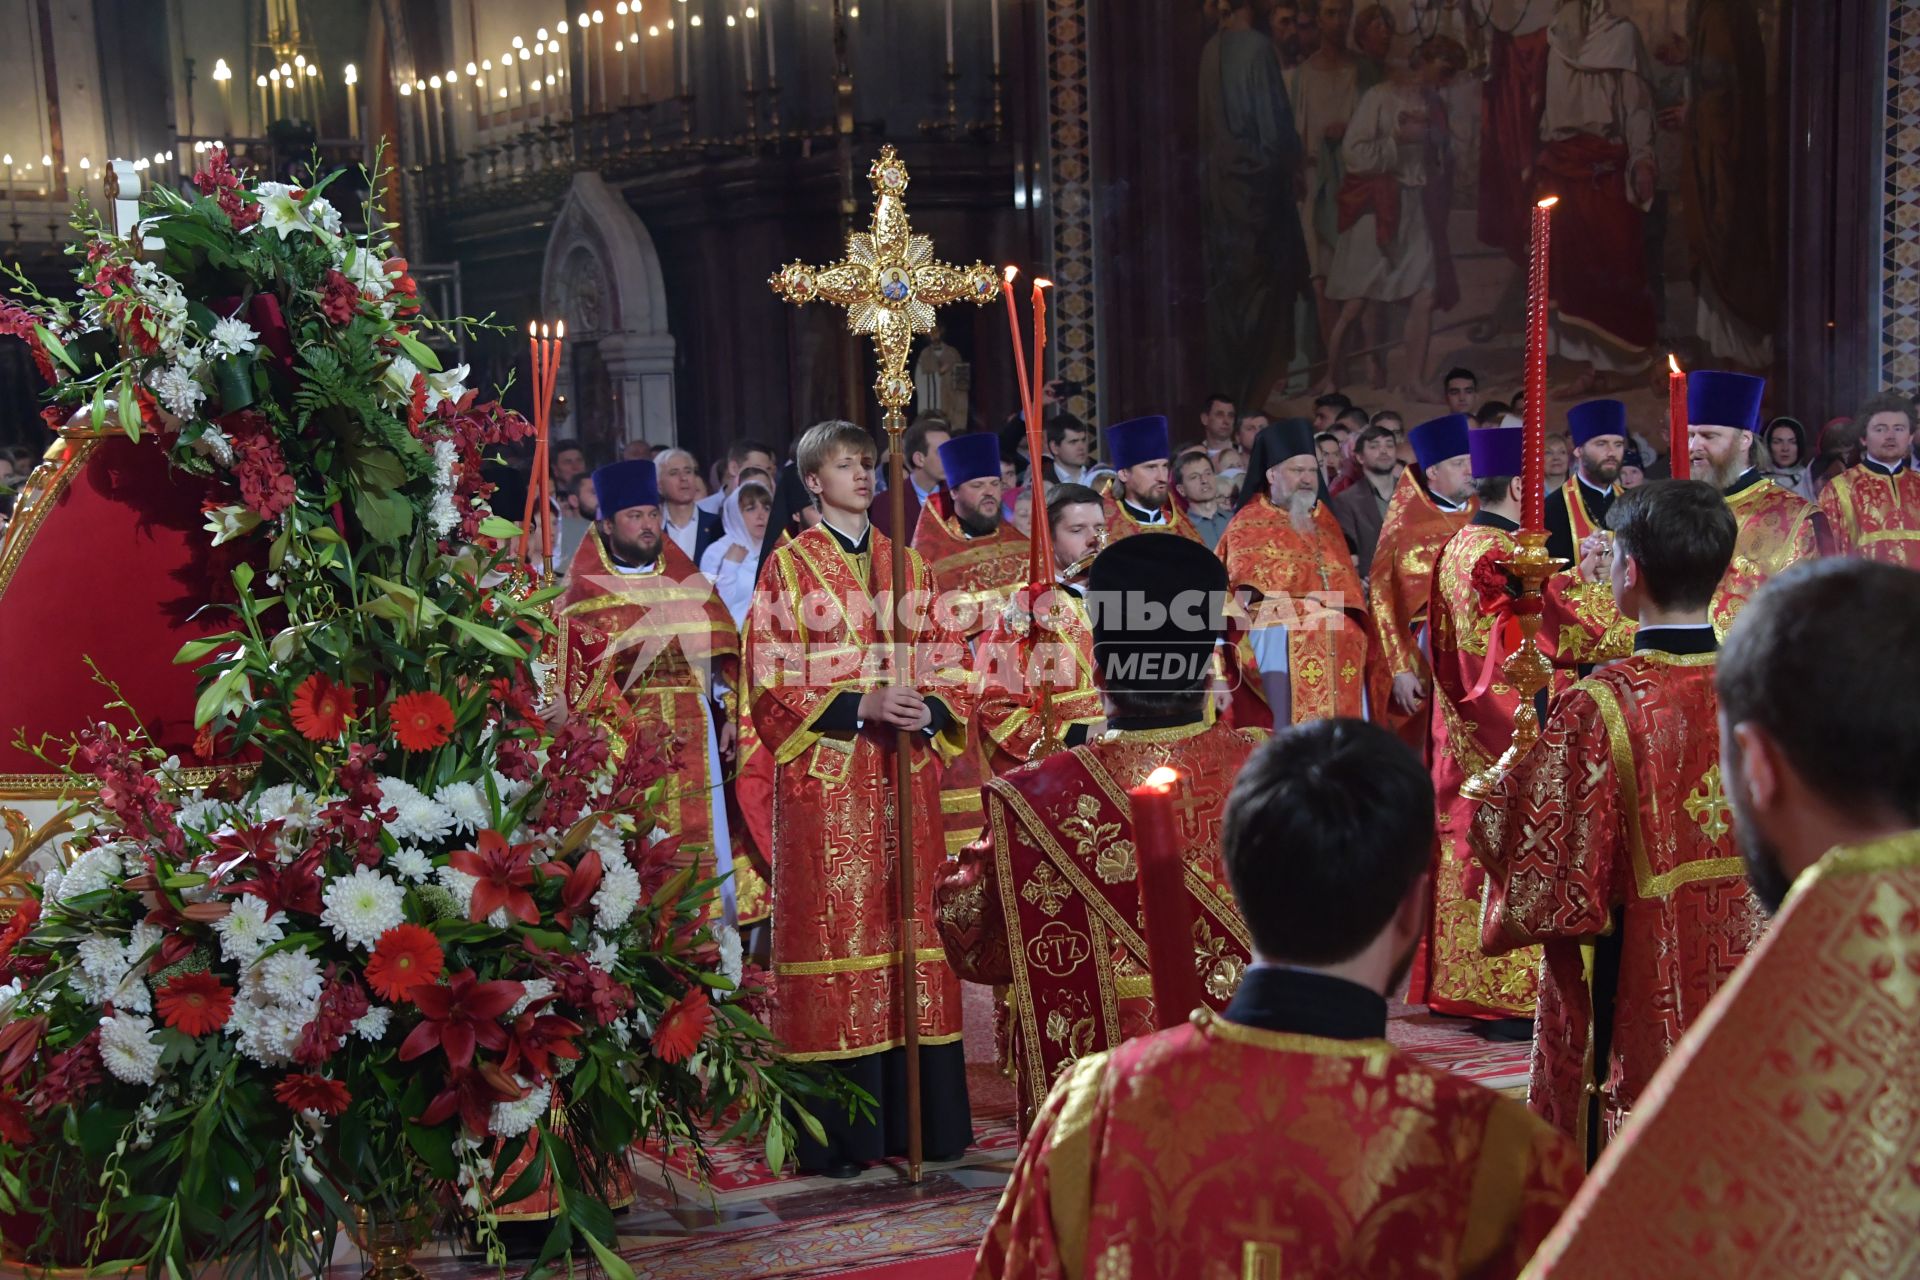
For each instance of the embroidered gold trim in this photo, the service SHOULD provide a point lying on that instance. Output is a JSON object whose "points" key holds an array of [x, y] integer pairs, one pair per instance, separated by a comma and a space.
{"points": [[1212, 1024], [858, 964]]}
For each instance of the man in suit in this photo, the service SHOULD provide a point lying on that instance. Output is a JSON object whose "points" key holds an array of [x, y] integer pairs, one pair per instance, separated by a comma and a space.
{"points": [[921, 444], [1361, 508], [689, 528]]}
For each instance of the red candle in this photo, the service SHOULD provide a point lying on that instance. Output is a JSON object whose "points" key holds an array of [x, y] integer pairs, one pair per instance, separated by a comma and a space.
{"points": [[1533, 470], [1013, 333], [1041, 560], [1678, 457], [1165, 908], [546, 415]]}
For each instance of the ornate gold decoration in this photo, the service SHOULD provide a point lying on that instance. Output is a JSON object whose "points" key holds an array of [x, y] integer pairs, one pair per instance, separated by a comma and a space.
{"points": [[1526, 668], [1707, 804], [389, 1241], [23, 841], [1047, 890]]}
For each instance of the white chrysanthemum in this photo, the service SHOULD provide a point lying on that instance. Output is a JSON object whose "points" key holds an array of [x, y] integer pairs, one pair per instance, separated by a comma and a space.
{"points": [[177, 390], [232, 337], [460, 885], [51, 881], [604, 953], [200, 814], [362, 906], [127, 1048], [268, 1033], [367, 272], [468, 805], [443, 515], [247, 930], [728, 939], [290, 977], [143, 942], [536, 989], [322, 214], [98, 868], [411, 864], [508, 789], [618, 894], [418, 819], [373, 1023], [511, 1119], [103, 966]]}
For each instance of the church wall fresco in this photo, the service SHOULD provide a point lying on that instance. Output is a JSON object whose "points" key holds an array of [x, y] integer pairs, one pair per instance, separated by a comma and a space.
{"points": [[1900, 244]]}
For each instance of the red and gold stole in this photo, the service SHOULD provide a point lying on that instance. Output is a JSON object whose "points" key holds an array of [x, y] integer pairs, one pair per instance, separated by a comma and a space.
{"points": [[1778, 528], [1578, 517], [1874, 516]]}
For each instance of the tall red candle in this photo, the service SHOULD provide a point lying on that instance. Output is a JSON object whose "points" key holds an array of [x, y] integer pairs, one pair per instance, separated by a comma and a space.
{"points": [[1042, 541], [1533, 470], [1165, 908], [1019, 352], [1678, 457]]}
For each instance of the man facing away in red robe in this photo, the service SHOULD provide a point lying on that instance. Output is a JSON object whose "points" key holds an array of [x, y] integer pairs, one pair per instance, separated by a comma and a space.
{"points": [[1779, 1140], [829, 706], [1610, 843], [1048, 901], [1285, 1136]]}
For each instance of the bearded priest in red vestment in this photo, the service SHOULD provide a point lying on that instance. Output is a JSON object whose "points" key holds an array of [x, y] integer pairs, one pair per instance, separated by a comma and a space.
{"points": [[647, 648], [1048, 900], [1025, 647], [828, 707], [1873, 510], [977, 559], [1430, 504], [1778, 527], [1779, 1140], [1473, 709], [1289, 563], [1141, 452], [1285, 1136], [1610, 845]]}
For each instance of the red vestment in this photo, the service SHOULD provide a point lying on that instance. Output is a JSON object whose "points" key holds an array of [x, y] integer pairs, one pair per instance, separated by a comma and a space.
{"points": [[1611, 846], [974, 577], [1020, 651], [1216, 1149], [836, 953], [1401, 577], [1778, 528], [1048, 901], [1600, 284], [1511, 98], [1579, 624], [1309, 587], [1120, 524], [1874, 516], [1778, 1140]]}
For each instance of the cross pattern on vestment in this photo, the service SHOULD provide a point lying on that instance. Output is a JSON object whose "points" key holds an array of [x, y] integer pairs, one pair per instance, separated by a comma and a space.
{"points": [[1707, 805]]}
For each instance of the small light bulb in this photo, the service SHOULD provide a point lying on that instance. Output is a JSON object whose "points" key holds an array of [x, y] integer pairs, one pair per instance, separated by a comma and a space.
{"points": [[563, 28], [434, 83], [752, 12], [406, 90], [619, 46], [299, 59], [541, 36], [350, 74], [694, 20], [598, 17], [285, 70], [503, 91], [518, 43], [621, 8], [471, 69], [313, 68], [654, 31], [262, 81], [730, 21], [670, 24]]}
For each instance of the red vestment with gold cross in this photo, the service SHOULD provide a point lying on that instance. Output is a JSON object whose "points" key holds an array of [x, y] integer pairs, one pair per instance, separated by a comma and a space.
{"points": [[1778, 528], [1398, 585], [1874, 515], [1120, 524], [1610, 845], [1779, 1140], [1023, 649], [816, 633], [974, 578], [1048, 899], [1306, 584], [1216, 1149], [639, 652], [1473, 711]]}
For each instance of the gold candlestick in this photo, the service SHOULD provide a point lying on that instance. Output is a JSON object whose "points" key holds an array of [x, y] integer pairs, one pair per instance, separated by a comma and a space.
{"points": [[1526, 668]]}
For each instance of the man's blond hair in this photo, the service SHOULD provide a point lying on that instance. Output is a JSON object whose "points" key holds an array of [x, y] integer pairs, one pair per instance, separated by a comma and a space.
{"points": [[824, 440]]}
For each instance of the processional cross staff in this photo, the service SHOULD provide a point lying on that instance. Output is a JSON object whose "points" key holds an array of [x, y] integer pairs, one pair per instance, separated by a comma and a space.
{"points": [[890, 283]]}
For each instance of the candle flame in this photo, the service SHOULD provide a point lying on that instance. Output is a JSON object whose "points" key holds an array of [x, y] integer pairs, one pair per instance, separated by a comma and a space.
{"points": [[1042, 283], [1673, 366], [1548, 203], [1010, 273], [560, 328], [1163, 777]]}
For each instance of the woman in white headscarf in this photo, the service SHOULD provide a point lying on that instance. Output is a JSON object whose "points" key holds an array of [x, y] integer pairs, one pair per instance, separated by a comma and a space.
{"points": [[733, 561]]}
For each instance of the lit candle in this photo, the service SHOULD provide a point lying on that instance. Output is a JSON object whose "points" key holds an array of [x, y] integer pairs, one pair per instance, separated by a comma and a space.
{"points": [[260, 82], [351, 77], [543, 78], [746, 46], [949, 32], [1019, 352], [993, 24], [1038, 373], [600, 57], [13, 194], [436, 120], [1165, 906], [274, 76], [766, 29], [644, 95], [479, 96], [686, 56], [1534, 457], [1679, 460]]}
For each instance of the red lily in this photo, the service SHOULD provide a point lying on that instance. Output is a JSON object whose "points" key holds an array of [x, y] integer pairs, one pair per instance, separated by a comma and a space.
{"points": [[582, 879], [537, 1039], [460, 1015], [504, 872], [18, 1040], [471, 1092]]}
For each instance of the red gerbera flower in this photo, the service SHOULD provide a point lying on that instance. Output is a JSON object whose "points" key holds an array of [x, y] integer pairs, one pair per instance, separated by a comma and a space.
{"points": [[421, 721], [313, 1093], [504, 872], [195, 1003], [406, 958], [460, 1016], [683, 1026], [321, 708]]}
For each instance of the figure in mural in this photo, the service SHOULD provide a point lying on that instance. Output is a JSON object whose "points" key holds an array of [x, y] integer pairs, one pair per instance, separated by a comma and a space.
{"points": [[1251, 172], [1512, 98], [941, 381], [1326, 89]]}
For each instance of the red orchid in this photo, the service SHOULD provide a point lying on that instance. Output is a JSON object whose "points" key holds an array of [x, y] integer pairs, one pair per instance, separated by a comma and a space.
{"points": [[537, 1038], [459, 1016], [470, 1092], [582, 879], [504, 872]]}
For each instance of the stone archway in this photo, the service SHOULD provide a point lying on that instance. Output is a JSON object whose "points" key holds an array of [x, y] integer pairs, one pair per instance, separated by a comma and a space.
{"points": [[602, 276]]}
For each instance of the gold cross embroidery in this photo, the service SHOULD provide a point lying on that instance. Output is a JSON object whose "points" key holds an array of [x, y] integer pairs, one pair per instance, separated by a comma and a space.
{"points": [[1189, 805], [1047, 890], [1707, 805]]}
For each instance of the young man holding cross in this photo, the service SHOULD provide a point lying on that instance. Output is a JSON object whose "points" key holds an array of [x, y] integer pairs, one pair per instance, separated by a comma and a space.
{"points": [[829, 707]]}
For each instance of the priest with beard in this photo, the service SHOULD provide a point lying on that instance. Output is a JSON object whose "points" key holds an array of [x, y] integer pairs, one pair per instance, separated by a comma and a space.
{"points": [[1578, 509], [1778, 527], [1284, 1135], [1779, 1138], [1289, 565], [1142, 458]]}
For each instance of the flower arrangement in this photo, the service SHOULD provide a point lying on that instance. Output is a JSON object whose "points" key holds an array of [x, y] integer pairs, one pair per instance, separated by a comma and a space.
{"points": [[424, 943]]}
